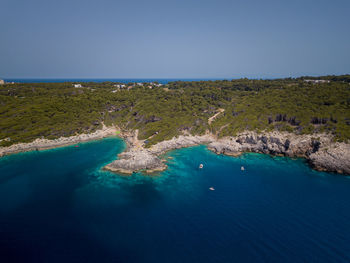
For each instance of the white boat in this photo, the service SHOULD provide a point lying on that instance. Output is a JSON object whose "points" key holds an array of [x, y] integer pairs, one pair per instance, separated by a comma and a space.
{"points": [[242, 168], [201, 166], [211, 188]]}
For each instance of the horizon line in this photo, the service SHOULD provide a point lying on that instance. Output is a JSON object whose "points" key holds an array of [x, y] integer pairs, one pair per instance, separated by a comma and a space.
{"points": [[185, 78]]}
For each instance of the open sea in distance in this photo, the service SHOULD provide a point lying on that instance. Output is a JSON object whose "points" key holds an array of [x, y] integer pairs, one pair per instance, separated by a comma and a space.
{"points": [[130, 80]]}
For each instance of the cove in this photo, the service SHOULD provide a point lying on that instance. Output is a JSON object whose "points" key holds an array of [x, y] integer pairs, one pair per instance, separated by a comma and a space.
{"points": [[59, 206]]}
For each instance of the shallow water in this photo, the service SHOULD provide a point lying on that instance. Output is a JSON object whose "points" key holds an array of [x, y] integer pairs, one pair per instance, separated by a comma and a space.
{"points": [[59, 206]]}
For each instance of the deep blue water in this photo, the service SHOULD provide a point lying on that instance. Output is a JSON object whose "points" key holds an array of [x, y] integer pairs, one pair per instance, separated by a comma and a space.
{"points": [[59, 206], [162, 81]]}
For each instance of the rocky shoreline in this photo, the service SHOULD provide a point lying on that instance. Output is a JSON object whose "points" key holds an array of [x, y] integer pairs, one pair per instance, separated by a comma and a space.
{"points": [[321, 153], [44, 144], [319, 150], [138, 158]]}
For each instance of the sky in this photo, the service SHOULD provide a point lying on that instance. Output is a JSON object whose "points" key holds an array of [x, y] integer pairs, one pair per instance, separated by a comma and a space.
{"points": [[173, 39]]}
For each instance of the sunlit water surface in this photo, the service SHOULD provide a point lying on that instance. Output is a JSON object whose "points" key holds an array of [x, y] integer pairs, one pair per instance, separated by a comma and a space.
{"points": [[59, 206]]}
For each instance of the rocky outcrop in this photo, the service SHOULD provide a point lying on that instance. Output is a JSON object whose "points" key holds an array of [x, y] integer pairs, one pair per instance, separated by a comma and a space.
{"points": [[180, 142], [321, 152], [336, 158], [274, 143], [137, 158]]}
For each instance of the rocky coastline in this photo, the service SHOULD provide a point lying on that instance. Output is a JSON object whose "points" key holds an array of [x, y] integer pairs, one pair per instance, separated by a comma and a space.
{"points": [[45, 144], [321, 153], [138, 158], [319, 150]]}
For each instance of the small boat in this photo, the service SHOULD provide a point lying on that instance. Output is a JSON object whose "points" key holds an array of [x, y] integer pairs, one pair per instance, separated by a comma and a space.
{"points": [[211, 188], [201, 166], [242, 168], [76, 146]]}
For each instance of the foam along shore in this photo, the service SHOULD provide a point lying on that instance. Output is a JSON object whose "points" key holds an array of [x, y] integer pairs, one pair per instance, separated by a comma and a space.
{"points": [[321, 152], [44, 144]]}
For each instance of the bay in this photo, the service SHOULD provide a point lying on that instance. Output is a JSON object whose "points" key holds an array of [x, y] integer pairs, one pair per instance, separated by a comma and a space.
{"points": [[60, 206]]}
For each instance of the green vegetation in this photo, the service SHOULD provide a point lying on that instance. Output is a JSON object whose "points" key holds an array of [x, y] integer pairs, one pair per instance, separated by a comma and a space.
{"points": [[52, 110]]}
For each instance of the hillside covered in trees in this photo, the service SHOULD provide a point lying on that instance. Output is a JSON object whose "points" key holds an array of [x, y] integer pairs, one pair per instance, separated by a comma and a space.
{"points": [[51, 110]]}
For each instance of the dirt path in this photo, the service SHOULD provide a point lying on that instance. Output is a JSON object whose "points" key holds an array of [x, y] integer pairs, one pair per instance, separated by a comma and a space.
{"points": [[136, 142], [212, 118]]}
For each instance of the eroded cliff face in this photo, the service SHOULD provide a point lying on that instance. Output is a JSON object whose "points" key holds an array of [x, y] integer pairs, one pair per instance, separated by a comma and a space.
{"points": [[269, 143], [334, 158], [319, 150]]}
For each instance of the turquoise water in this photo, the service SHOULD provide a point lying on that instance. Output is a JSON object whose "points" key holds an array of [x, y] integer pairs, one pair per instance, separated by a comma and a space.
{"points": [[59, 206]]}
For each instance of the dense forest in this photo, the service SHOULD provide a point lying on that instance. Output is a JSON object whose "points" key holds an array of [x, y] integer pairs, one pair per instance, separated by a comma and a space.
{"points": [[51, 110]]}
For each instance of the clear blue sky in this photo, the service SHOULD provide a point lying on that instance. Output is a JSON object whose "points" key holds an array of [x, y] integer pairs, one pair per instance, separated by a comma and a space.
{"points": [[173, 39]]}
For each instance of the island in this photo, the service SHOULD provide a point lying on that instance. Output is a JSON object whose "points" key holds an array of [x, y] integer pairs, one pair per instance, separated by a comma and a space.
{"points": [[305, 117]]}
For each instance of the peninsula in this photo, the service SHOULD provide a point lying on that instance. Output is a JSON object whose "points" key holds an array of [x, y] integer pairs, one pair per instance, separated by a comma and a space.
{"points": [[303, 117]]}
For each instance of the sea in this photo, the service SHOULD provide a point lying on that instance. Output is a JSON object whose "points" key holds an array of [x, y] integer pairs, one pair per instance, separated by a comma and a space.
{"points": [[59, 205], [99, 80]]}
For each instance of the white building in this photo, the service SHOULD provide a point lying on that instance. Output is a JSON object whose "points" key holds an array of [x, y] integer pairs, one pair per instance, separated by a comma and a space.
{"points": [[317, 80], [2, 82], [77, 86], [156, 84]]}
